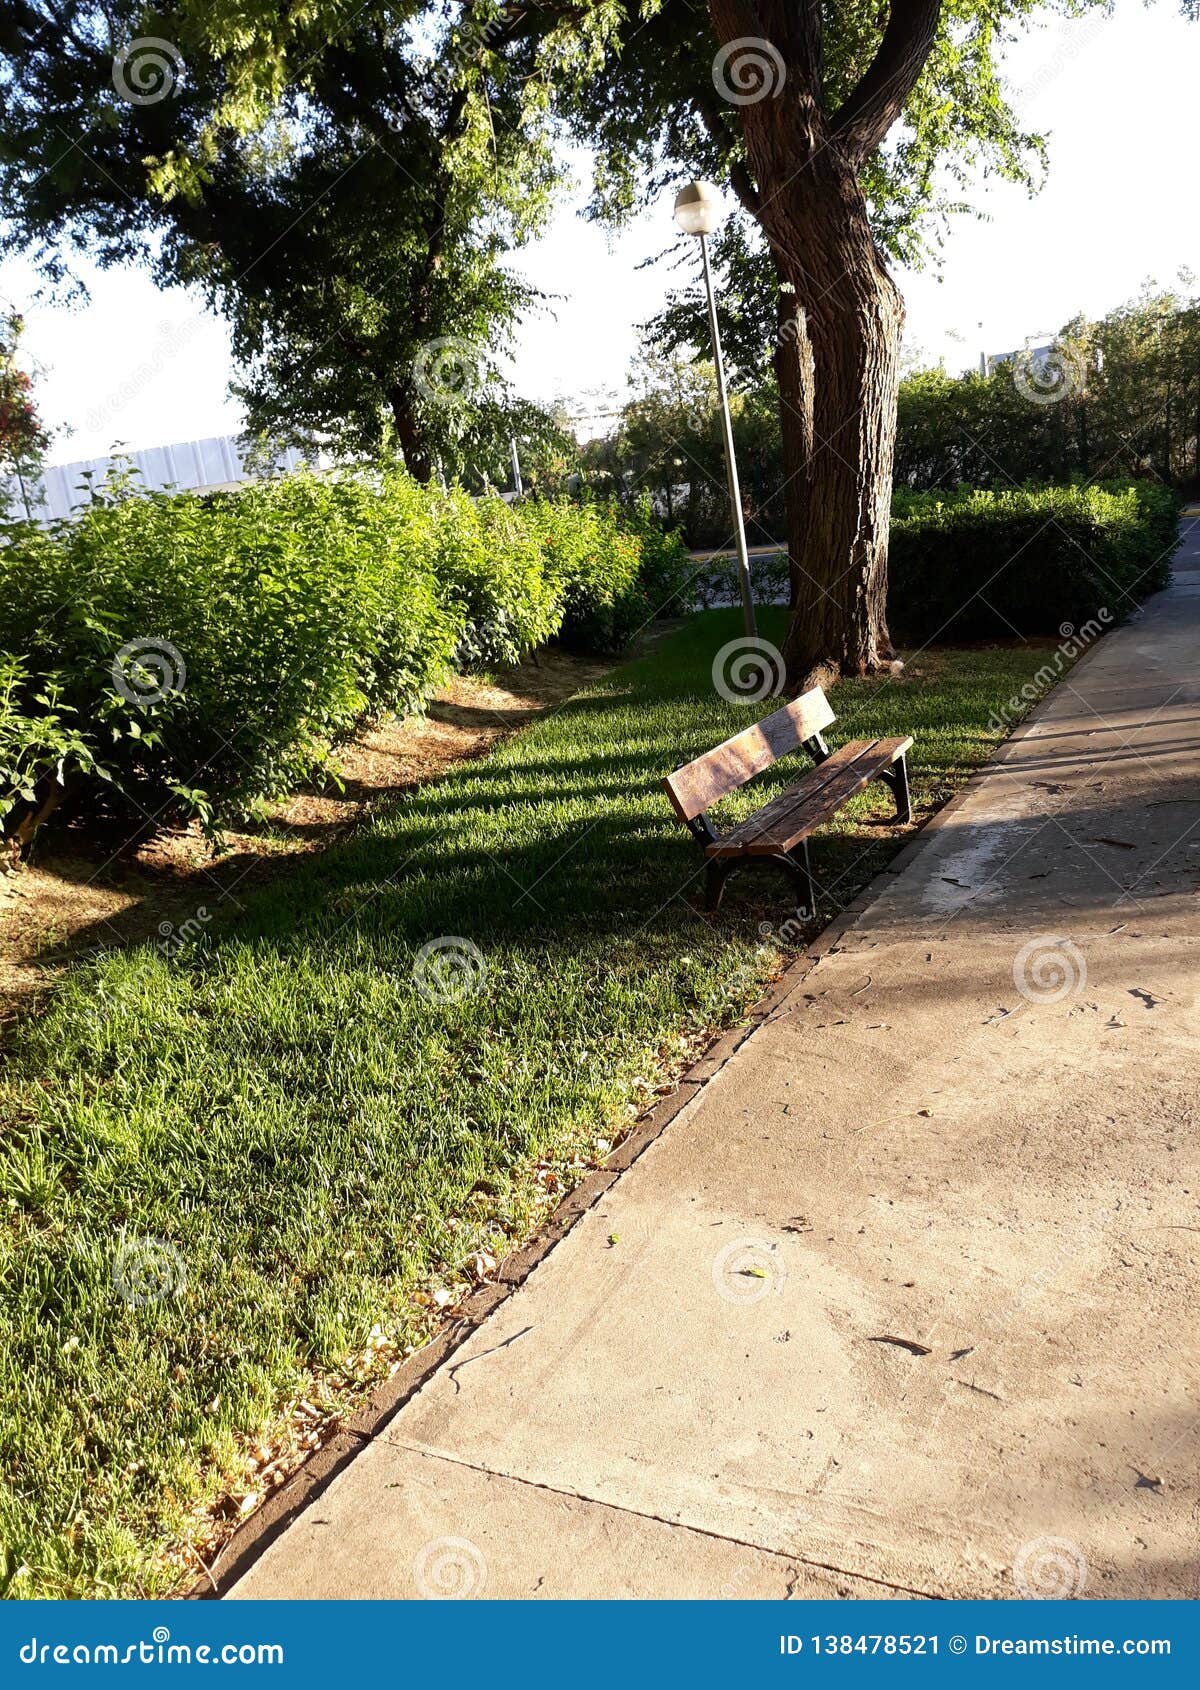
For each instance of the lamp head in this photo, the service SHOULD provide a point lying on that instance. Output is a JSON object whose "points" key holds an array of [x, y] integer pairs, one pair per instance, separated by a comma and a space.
{"points": [[698, 208]]}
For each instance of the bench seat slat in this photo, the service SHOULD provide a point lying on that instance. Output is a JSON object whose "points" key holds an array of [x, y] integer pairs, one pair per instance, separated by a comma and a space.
{"points": [[796, 813]]}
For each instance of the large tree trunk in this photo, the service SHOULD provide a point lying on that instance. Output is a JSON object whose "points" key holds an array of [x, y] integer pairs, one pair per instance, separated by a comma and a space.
{"points": [[839, 364], [839, 371]]}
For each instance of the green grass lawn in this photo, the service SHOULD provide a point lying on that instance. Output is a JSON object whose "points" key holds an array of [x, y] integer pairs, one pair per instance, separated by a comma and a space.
{"points": [[314, 1149]]}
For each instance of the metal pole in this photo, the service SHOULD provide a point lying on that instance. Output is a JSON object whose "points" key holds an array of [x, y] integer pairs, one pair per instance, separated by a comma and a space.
{"points": [[518, 484], [735, 492]]}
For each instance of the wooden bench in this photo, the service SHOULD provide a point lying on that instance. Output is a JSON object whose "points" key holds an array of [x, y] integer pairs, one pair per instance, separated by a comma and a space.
{"points": [[778, 833]]}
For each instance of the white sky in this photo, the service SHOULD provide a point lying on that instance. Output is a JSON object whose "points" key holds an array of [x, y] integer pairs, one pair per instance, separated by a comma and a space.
{"points": [[144, 367]]}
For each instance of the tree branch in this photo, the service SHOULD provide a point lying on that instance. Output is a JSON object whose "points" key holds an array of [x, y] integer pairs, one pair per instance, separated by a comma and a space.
{"points": [[740, 179], [871, 108]]}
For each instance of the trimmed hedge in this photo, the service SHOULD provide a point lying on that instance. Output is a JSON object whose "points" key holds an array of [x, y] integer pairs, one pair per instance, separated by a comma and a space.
{"points": [[985, 565], [199, 654]]}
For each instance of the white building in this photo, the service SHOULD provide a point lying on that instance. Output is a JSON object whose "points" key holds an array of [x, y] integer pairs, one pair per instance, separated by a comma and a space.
{"points": [[196, 466]]}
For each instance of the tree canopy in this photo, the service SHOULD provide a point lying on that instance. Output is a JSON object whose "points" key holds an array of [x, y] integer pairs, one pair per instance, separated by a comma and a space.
{"points": [[345, 184]]}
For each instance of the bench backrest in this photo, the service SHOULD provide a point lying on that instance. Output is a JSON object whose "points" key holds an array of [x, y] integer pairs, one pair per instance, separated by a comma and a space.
{"points": [[701, 782]]}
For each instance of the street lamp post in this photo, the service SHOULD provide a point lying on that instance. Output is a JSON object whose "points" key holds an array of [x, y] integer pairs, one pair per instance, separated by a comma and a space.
{"points": [[697, 212]]}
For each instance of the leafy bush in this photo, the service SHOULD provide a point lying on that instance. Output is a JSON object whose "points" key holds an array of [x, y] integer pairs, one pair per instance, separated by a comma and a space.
{"points": [[40, 744], [613, 570], [216, 647], [204, 652], [487, 565], [979, 565]]}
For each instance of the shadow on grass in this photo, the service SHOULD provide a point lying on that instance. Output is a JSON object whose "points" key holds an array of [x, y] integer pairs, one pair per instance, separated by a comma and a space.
{"points": [[309, 1122]]}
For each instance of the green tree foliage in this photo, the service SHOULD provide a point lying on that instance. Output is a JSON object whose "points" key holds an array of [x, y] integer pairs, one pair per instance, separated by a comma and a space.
{"points": [[1116, 396], [344, 183], [667, 445], [849, 131]]}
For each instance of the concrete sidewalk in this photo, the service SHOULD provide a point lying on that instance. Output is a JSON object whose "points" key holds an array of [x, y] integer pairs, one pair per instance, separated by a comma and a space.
{"points": [[904, 1301]]}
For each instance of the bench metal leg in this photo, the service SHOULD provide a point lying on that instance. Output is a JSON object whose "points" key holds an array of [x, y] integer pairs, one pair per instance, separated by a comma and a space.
{"points": [[718, 874], [796, 865], [903, 802]]}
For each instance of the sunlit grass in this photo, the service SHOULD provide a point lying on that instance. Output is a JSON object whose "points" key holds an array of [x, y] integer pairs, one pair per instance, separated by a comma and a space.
{"points": [[303, 1148]]}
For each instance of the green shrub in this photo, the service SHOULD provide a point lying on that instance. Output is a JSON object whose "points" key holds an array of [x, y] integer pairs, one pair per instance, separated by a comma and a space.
{"points": [[969, 564], [208, 650], [41, 745], [215, 648], [665, 571], [489, 567], [594, 567], [716, 581]]}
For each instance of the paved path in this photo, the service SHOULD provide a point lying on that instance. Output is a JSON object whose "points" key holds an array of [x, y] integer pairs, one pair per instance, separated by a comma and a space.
{"points": [[904, 1301]]}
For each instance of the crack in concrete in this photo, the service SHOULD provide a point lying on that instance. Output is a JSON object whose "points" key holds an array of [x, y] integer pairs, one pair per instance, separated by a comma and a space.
{"points": [[790, 1557], [452, 1372]]}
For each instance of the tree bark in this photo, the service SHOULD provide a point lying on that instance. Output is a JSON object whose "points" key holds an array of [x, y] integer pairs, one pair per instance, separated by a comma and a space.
{"points": [[839, 368], [838, 357]]}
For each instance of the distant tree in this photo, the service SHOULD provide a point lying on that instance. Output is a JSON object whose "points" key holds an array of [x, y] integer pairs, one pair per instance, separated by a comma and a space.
{"points": [[344, 184], [1119, 395]]}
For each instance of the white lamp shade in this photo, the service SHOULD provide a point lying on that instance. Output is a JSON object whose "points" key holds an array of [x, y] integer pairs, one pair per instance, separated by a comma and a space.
{"points": [[698, 208]]}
